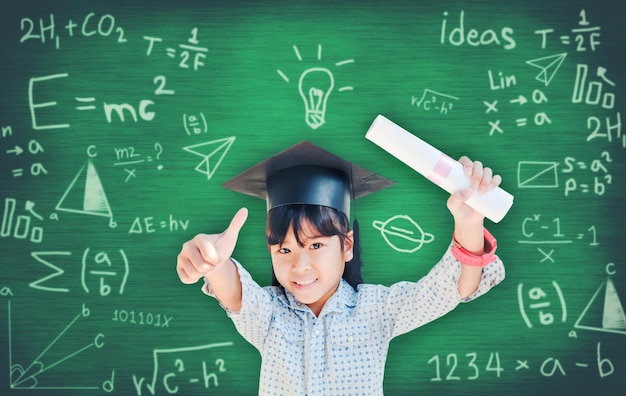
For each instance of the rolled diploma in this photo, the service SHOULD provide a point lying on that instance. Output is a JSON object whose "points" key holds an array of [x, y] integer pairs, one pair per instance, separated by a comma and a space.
{"points": [[436, 166]]}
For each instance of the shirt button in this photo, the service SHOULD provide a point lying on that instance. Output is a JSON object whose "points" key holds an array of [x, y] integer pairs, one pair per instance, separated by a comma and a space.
{"points": [[314, 375], [350, 339], [316, 332]]}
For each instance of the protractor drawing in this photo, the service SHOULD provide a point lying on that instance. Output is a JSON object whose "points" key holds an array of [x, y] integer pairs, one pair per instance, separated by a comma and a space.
{"points": [[54, 355]]}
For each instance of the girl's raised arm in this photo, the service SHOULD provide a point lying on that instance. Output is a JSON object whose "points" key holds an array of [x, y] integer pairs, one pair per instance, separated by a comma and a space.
{"points": [[209, 255]]}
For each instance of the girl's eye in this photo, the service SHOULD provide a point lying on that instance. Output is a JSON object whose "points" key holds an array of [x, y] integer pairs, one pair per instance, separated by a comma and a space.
{"points": [[316, 245], [283, 250]]}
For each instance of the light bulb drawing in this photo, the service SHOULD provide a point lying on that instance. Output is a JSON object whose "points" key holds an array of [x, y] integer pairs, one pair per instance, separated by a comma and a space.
{"points": [[315, 86]]}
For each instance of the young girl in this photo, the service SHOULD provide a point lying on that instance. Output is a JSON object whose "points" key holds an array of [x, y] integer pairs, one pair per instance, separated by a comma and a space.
{"points": [[319, 330]]}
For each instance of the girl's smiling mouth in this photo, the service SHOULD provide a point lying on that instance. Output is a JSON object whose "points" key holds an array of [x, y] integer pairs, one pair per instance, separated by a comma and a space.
{"points": [[304, 283]]}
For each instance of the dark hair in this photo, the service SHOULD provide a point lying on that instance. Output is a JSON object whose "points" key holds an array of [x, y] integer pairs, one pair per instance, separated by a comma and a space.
{"points": [[326, 220]]}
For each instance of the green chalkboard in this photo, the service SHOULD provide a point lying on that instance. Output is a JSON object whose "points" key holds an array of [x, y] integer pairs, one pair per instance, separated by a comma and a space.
{"points": [[120, 120]]}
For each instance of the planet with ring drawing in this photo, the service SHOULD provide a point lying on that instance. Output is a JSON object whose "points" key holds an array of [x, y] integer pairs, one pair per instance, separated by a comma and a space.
{"points": [[403, 234]]}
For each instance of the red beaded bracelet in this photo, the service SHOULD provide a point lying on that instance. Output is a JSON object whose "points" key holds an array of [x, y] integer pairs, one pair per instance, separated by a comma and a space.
{"points": [[465, 257]]}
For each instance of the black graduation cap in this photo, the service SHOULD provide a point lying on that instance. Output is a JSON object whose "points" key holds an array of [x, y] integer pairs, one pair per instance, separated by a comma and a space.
{"points": [[307, 174]]}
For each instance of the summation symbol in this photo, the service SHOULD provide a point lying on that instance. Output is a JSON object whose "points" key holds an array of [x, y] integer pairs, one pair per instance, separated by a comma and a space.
{"points": [[104, 270]]}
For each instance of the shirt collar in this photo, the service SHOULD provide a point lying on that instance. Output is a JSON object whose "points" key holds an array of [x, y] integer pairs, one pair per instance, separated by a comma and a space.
{"points": [[343, 298]]}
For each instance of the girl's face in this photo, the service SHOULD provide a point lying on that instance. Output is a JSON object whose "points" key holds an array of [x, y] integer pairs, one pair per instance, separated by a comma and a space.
{"points": [[311, 271]]}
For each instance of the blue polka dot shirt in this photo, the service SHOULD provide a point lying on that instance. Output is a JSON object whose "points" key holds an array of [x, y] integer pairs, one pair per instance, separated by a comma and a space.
{"points": [[343, 351]]}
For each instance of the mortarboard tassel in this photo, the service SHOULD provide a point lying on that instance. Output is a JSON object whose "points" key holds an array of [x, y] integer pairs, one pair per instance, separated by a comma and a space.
{"points": [[352, 272]]}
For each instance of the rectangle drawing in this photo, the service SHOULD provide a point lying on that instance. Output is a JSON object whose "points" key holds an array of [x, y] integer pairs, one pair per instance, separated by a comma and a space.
{"points": [[537, 174]]}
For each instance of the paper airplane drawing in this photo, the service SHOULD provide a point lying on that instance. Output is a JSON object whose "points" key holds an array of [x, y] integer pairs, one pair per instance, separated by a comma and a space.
{"points": [[85, 194], [549, 65], [213, 153], [606, 315]]}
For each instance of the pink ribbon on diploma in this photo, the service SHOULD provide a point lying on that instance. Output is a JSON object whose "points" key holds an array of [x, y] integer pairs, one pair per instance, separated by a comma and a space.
{"points": [[442, 169]]}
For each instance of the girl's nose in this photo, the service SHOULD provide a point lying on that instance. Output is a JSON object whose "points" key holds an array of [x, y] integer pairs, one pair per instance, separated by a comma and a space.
{"points": [[302, 263]]}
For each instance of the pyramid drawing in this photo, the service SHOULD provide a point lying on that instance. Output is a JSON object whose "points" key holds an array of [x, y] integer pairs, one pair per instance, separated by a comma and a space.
{"points": [[549, 65], [213, 153], [606, 315], [85, 194]]}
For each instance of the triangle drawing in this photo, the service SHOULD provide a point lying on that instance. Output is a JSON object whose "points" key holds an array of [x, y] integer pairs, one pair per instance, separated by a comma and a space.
{"points": [[613, 316], [549, 65], [85, 194], [606, 315], [213, 153]]}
